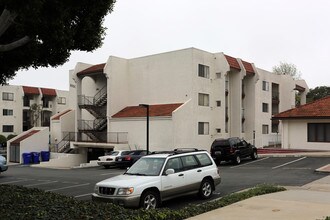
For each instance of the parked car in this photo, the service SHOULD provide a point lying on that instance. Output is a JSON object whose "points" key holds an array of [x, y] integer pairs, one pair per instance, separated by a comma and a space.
{"points": [[109, 159], [159, 177], [232, 149], [130, 158], [3, 164]]}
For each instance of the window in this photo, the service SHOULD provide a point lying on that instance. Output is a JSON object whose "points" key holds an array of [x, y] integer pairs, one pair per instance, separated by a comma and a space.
{"points": [[218, 75], [174, 163], [218, 103], [264, 107], [265, 85], [203, 99], [8, 96], [61, 100], [218, 130], [265, 129], [8, 128], [318, 132], [203, 71], [189, 162], [203, 159], [203, 128], [7, 112]]}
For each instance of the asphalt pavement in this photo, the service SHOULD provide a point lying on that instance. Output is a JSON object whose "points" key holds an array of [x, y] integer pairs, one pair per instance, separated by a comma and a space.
{"points": [[310, 201]]}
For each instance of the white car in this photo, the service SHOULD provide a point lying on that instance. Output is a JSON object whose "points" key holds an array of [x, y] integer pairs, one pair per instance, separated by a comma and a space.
{"points": [[159, 177], [109, 160], [3, 164]]}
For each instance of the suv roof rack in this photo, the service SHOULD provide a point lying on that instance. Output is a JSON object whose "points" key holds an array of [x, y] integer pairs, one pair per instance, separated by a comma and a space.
{"points": [[186, 150], [177, 151]]}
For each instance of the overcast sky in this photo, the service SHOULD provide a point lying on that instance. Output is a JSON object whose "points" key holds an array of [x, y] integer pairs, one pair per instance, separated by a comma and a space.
{"points": [[263, 32]]}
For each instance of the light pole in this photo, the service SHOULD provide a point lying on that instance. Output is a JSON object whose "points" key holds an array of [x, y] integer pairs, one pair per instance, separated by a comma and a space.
{"points": [[147, 107]]}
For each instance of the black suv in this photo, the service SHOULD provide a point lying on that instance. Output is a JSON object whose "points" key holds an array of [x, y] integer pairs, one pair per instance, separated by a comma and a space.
{"points": [[232, 149]]}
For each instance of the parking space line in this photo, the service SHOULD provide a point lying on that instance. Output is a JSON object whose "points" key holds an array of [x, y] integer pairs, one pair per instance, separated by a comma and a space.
{"points": [[250, 162], [83, 195], [67, 187], [282, 165], [43, 183], [15, 181]]}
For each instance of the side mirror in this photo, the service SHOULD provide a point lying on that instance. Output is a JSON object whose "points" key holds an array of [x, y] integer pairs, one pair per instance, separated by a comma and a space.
{"points": [[169, 171]]}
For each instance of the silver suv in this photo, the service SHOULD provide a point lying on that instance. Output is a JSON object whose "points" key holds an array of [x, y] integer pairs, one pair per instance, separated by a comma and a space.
{"points": [[3, 164], [161, 176]]}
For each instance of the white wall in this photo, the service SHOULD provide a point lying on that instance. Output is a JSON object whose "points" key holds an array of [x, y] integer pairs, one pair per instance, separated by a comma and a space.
{"points": [[295, 135], [16, 105], [160, 132], [66, 123]]}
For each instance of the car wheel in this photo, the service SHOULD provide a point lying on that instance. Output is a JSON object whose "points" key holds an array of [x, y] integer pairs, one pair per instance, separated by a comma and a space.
{"points": [[206, 189], [237, 159], [149, 200], [254, 155]]}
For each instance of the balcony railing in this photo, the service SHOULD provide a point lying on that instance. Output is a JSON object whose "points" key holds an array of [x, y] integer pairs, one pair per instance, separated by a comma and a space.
{"points": [[102, 137]]}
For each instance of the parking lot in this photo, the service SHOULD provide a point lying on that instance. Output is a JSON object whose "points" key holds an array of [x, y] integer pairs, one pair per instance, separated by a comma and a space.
{"points": [[79, 183]]}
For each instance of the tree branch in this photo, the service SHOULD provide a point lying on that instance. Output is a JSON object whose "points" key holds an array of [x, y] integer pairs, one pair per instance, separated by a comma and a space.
{"points": [[6, 19], [15, 44]]}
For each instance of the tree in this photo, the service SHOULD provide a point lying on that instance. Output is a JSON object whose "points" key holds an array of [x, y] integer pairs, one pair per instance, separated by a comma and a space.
{"points": [[39, 33], [3, 141], [287, 69], [318, 93], [35, 110]]}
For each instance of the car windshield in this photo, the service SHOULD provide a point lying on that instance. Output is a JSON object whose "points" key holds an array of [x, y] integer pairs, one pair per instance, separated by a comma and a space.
{"points": [[113, 153], [146, 167]]}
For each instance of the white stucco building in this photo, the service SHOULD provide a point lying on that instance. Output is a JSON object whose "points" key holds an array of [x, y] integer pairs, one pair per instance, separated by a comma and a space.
{"points": [[194, 96], [16, 102], [307, 126]]}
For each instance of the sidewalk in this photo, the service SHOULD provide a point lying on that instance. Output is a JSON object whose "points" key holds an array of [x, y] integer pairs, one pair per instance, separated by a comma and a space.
{"points": [[311, 201]]}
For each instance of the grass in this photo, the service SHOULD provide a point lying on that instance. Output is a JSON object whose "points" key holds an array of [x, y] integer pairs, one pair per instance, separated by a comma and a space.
{"points": [[25, 203]]}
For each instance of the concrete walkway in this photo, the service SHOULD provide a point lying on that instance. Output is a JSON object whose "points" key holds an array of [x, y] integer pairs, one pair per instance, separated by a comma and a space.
{"points": [[311, 201]]}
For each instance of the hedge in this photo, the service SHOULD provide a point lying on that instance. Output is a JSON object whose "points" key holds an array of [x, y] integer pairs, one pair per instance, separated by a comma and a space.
{"points": [[18, 202]]}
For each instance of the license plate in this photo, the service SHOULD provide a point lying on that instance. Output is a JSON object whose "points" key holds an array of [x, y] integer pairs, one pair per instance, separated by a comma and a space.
{"points": [[217, 153], [119, 159]]}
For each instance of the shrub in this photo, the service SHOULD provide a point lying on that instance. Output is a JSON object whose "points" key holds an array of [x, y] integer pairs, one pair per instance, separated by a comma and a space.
{"points": [[24, 203], [11, 136], [3, 139]]}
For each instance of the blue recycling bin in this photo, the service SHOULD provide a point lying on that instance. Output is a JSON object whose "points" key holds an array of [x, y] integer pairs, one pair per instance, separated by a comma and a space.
{"points": [[35, 157], [27, 158], [45, 155]]}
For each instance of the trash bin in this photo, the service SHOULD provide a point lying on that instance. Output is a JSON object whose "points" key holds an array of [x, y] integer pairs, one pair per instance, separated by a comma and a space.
{"points": [[45, 155], [35, 157], [27, 158]]}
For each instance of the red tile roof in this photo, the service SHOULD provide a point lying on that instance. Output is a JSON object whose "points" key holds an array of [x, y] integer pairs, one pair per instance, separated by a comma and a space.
{"points": [[18, 140], [31, 90], [93, 69], [233, 63], [154, 111], [57, 117], [248, 67], [48, 92], [319, 109]]}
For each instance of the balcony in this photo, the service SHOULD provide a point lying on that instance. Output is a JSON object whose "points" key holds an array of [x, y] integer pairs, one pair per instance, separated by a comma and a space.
{"points": [[99, 137]]}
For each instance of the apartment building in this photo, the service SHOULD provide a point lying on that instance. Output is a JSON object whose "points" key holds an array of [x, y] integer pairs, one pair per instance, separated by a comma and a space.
{"points": [[24, 107], [193, 97]]}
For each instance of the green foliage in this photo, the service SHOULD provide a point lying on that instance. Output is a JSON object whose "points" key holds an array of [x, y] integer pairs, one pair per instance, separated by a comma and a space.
{"points": [[318, 93], [287, 69], [11, 136], [54, 28], [3, 139], [37, 204]]}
